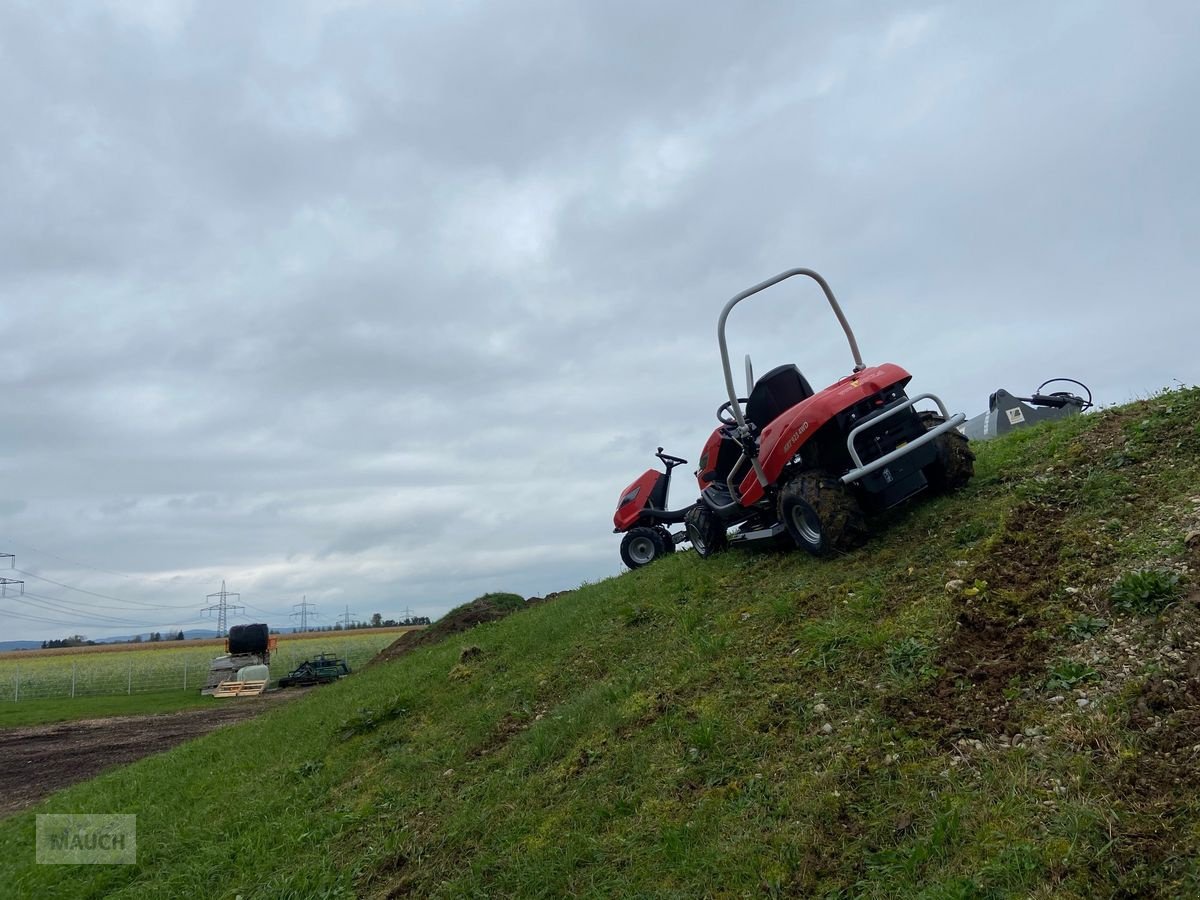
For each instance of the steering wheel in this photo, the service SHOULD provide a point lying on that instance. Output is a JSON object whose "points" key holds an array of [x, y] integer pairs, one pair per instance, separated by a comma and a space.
{"points": [[727, 407]]}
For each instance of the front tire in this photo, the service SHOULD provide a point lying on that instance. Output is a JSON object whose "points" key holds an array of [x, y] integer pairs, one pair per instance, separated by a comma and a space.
{"points": [[641, 546], [821, 514], [955, 464], [704, 531]]}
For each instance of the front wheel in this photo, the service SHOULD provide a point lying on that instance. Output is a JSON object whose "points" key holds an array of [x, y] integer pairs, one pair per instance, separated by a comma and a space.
{"points": [[955, 464], [641, 546], [821, 514], [704, 531]]}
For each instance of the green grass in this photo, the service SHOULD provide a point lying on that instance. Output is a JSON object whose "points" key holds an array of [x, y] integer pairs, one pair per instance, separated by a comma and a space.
{"points": [[39, 712], [758, 724]]}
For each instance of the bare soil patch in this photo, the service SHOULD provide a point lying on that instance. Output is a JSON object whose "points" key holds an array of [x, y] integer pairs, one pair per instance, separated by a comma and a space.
{"points": [[1158, 782], [462, 618], [995, 643], [41, 759]]}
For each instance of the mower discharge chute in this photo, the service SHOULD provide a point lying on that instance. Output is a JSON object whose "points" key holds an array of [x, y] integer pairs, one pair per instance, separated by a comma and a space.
{"points": [[643, 515], [810, 464]]}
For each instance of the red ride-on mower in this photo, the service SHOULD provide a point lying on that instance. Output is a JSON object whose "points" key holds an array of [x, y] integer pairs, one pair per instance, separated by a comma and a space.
{"points": [[643, 515], [812, 464]]}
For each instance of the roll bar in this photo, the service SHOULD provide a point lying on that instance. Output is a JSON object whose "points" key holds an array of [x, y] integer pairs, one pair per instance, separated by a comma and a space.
{"points": [[763, 285], [744, 430]]}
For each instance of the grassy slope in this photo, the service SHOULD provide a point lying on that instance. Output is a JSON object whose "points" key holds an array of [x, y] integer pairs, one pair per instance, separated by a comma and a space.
{"points": [[664, 732], [38, 712]]}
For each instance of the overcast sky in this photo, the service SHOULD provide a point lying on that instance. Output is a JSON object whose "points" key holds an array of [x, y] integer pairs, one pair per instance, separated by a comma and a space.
{"points": [[383, 303]]}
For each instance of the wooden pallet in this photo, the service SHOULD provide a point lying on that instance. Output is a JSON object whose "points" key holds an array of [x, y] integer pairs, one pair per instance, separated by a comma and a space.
{"points": [[239, 688]]}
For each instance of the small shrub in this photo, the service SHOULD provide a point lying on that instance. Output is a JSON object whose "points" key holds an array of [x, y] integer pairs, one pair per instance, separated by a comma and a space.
{"points": [[1085, 626], [1147, 590], [907, 657], [501, 600], [970, 533], [469, 653], [1067, 673]]}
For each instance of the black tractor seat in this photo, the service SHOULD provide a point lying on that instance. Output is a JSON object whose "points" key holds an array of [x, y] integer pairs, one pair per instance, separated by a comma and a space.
{"points": [[717, 495], [775, 393]]}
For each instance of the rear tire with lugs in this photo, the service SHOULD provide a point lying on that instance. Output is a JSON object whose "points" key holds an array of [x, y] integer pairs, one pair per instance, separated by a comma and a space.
{"points": [[821, 514], [955, 464]]}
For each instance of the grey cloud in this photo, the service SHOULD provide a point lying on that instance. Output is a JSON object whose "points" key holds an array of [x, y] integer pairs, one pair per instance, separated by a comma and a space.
{"points": [[383, 304]]}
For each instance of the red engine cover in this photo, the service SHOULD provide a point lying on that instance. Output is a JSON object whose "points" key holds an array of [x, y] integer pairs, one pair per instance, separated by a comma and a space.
{"points": [[708, 458], [634, 499], [782, 439]]}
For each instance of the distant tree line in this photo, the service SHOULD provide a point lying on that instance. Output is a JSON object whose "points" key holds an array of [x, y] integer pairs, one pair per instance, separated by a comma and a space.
{"points": [[376, 621], [78, 640], [75, 640]]}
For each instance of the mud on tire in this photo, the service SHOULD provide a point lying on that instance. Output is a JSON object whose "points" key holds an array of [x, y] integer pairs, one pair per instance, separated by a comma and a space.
{"points": [[955, 464], [704, 531], [821, 514]]}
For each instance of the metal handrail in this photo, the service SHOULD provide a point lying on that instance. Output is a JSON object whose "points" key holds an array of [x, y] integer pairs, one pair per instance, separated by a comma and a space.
{"points": [[861, 470]]}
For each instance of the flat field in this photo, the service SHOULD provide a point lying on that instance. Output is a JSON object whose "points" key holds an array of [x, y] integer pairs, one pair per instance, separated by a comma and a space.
{"points": [[162, 666], [42, 758], [46, 710]]}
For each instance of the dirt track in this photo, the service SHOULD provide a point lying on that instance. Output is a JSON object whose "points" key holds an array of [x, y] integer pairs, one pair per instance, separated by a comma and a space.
{"points": [[41, 759]]}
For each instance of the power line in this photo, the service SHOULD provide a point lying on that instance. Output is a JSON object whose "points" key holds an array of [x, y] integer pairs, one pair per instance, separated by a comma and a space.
{"points": [[40, 619], [71, 614], [89, 607], [73, 620], [79, 565], [257, 610], [134, 603], [95, 612], [49, 604], [84, 616], [222, 607], [346, 617]]}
